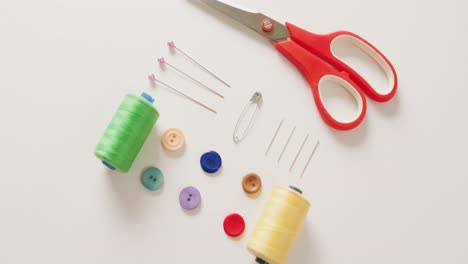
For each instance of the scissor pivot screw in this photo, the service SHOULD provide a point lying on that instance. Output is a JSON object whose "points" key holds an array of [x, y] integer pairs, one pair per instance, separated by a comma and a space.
{"points": [[268, 25]]}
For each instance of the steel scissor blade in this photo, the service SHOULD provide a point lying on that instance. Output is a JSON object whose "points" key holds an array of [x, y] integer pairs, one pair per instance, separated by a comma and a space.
{"points": [[250, 19]]}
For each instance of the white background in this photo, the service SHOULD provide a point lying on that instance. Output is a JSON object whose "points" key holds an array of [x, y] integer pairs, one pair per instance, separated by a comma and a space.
{"points": [[392, 191]]}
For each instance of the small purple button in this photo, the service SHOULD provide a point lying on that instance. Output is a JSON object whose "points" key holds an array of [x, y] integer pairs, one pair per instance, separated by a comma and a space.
{"points": [[189, 198]]}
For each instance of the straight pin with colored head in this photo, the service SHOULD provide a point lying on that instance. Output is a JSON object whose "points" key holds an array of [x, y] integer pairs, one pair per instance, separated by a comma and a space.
{"points": [[172, 46], [152, 79], [163, 63]]}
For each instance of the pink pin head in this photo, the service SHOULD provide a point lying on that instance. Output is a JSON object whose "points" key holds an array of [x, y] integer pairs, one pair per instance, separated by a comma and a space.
{"points": [[171, 44], [162, 61], [151, 77]]}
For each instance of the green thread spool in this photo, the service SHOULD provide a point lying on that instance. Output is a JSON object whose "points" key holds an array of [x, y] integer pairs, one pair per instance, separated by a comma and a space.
{"points": [[127, 132]]}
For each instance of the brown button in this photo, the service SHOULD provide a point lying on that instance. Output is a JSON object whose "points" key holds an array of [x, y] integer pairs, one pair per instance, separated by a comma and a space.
{"points": [[251, 183], [173, 139]]}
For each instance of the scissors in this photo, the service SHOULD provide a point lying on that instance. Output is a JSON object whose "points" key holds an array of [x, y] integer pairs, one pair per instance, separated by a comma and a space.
{"points": [[313, 55]]}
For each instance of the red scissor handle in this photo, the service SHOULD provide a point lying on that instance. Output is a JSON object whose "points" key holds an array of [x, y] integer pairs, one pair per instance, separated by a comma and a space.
{"points": [[316, 71], [321, 45]]}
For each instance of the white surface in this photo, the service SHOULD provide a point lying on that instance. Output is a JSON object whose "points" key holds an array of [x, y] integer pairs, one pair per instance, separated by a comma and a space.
{"points": [[392, 191]]}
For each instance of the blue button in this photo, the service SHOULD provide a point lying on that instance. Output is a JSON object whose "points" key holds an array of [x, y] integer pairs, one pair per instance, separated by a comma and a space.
{"points": [[152, 178], [211, 162]]}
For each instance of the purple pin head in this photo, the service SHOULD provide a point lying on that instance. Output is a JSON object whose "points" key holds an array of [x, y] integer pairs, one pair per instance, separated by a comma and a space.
{"points": [[162, 61], [171, 44], [151, 77]]}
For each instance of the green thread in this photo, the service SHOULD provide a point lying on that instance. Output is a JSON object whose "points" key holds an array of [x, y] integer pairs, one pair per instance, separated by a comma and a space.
{"points": [[127, 132]]}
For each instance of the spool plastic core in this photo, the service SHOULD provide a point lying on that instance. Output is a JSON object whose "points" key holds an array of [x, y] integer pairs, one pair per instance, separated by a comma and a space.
{"points": [[108, 165], [295, 189], [260, 261], [148, 97]]}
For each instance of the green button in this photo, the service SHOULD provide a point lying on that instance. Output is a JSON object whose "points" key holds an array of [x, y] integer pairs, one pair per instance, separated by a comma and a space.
{"points": [[152, 178]]}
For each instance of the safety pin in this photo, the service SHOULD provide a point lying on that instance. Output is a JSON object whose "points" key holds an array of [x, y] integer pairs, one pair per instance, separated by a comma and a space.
{"points": [[256, 100]]}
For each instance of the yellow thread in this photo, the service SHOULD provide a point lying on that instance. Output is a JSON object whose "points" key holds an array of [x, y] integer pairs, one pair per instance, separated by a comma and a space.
{"points": [[278, 226]]}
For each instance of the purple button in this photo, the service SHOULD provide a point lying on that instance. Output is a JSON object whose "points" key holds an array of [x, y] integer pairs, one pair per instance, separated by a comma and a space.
{"points": [[189, 198]]}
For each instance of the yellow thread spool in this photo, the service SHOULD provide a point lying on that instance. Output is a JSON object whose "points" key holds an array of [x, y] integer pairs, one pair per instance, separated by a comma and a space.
{"points": [[278, 226]]}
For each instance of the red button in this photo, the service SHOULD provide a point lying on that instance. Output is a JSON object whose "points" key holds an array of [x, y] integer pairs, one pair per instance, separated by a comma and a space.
{"points": [[234, 225]]}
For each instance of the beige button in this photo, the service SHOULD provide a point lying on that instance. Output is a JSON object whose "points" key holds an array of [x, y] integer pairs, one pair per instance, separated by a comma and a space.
{"points": [[173, 139], [251, 183]]}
